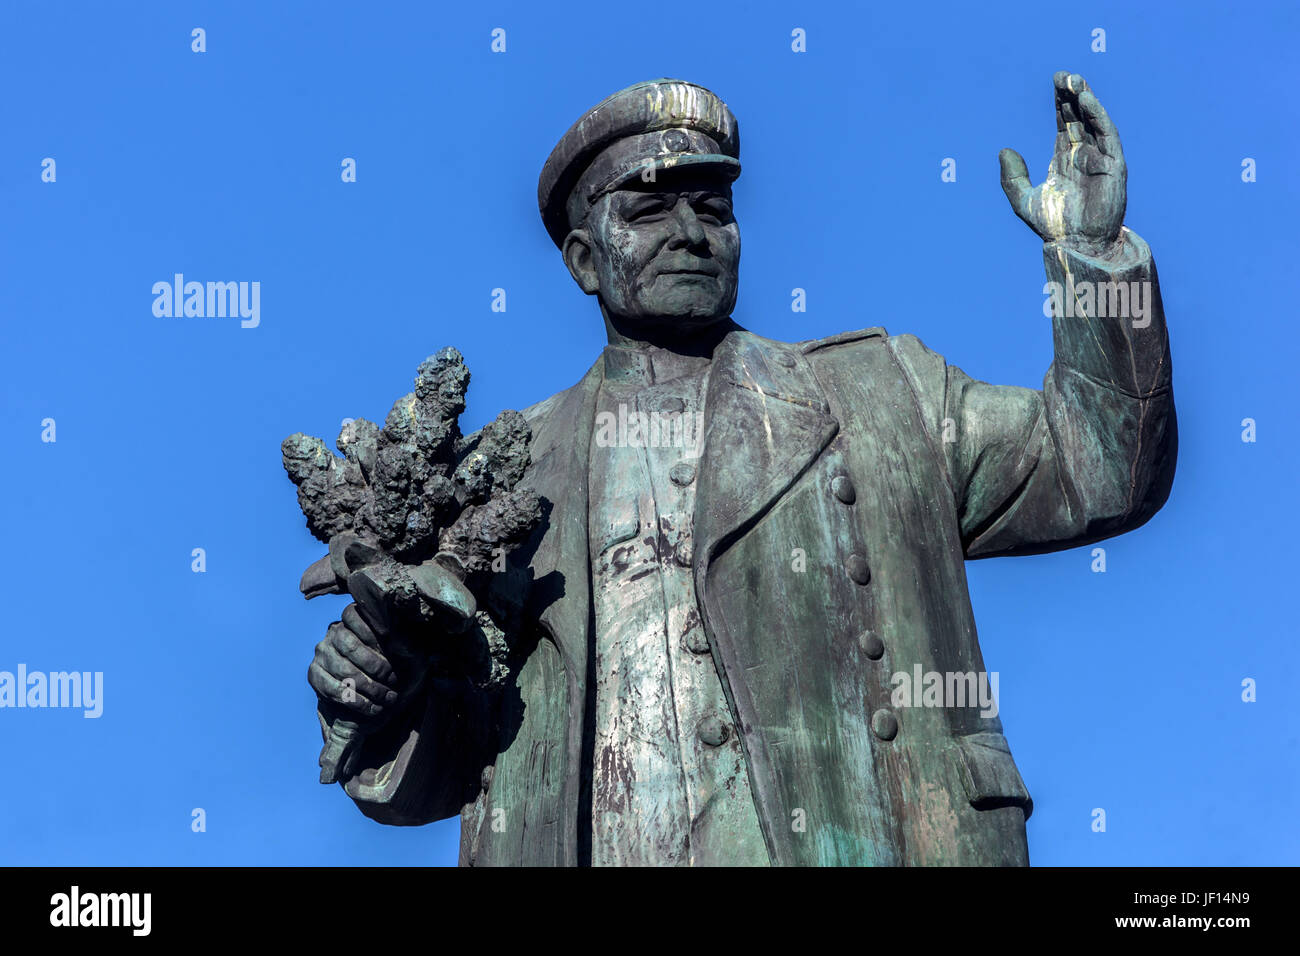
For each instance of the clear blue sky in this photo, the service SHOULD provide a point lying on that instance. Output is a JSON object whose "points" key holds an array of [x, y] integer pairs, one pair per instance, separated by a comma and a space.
{"points": [[1119, 690]]}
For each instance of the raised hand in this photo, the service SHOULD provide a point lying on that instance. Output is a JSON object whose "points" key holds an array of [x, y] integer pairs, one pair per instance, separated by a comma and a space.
{"points": [[1081, 203]]}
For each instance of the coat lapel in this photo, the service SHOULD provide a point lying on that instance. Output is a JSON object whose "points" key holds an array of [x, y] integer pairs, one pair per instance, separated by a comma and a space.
{"points": [[560, 591], [560, 449], [766, 422]]}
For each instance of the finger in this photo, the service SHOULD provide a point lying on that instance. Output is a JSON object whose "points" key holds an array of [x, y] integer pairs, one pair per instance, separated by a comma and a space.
{"points": [[331, 688], [1015, 182], [340, 667], [1070, 144], [1059, 79], [355, 623], [1075, 83], [1103, 130], [343, 667], [1068, 85], [372, 663]]}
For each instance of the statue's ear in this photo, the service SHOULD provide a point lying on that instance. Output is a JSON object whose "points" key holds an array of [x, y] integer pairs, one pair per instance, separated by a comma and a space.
{"points": [[582, 266]]}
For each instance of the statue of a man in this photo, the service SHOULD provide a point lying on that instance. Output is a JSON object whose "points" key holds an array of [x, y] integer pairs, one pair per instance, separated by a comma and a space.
{"points": [[748, 543]]}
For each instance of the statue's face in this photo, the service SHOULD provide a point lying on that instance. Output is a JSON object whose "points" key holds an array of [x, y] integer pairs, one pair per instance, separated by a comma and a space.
{"points": [[661, 255]]}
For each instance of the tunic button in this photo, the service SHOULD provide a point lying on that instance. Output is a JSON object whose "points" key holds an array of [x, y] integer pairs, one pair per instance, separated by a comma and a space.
{"points": [[842, 488], [872, 645], [682, 474], [785, 359], [858, 569], [684, 553], [884, 725], [713, 731], [696, 641]]}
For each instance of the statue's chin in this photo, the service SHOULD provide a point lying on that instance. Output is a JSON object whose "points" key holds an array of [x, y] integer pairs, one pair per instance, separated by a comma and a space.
{"points": [[685, 322], [666, 318], [686, 310]]}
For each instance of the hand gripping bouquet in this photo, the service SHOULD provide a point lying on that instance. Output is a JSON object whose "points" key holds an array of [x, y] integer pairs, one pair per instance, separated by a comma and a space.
{"points": [[415, 516]]}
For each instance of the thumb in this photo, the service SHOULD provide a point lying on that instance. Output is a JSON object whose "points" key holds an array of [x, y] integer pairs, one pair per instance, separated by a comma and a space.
{"points": [[1015, 182]]}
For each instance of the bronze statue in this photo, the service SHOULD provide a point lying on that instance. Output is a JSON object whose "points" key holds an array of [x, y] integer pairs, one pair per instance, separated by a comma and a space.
{"points": [[694, 656]]}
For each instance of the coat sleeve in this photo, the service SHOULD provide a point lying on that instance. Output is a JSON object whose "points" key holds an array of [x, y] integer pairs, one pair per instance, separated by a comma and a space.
{"points": [[1089, 456], [426, 763]]}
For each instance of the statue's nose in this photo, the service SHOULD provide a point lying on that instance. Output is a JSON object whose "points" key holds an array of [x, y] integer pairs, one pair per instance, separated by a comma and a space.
{"points": [[690, 231]]}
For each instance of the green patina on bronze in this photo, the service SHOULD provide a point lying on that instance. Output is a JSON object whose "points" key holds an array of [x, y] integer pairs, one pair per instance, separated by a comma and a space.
{"points": [[840, 486]]}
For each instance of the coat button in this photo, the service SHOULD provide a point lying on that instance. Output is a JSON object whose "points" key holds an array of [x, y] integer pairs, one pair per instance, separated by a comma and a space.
{"points": [[872, 645], [696, 641], [858, 569], [842, 488], [785, 359], [682, 474], [684, 552], [884, 724], [713, 731]]}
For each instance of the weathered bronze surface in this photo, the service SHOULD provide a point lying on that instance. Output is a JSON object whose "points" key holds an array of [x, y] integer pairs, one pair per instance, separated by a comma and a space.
{"points": [[743, 541]]}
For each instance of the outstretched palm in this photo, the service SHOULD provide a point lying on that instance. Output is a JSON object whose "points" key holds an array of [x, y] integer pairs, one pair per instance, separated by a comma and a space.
{"points": [[1081, 203]]}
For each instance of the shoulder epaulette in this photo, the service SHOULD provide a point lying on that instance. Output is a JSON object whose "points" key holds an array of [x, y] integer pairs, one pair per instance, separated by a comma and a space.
{"points": [[841, 339]]}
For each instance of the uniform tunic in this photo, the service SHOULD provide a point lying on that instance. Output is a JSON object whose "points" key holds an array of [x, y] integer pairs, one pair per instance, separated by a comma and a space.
{"points": [[670, 786]]}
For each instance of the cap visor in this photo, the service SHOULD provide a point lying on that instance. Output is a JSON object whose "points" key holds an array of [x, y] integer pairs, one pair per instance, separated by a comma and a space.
{"points": [[725, 168]]}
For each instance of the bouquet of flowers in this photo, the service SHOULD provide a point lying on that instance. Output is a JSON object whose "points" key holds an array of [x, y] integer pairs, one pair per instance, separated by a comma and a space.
{"points": [[410, 512]]}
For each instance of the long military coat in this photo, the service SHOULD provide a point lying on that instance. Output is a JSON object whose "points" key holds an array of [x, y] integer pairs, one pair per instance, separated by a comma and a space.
{"points": [[843, 483]]}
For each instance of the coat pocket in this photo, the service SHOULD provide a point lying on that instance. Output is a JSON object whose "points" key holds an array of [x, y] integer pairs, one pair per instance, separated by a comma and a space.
{"points": [[990, 775], [616, 522]]}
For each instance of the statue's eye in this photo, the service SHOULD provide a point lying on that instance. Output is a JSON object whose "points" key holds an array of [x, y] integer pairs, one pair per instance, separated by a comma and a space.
{"points": [[714, 210], [646, 209]]}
